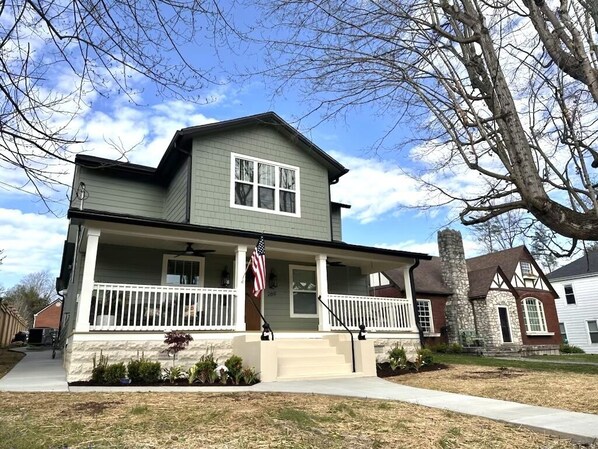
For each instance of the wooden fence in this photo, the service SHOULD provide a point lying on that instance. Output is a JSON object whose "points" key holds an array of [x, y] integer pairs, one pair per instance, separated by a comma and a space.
{"points": [[10, 323]]}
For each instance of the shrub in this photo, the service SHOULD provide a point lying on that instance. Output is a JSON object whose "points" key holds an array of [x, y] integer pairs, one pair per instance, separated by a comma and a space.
{"points": [[234, 364], [455, 348], [133, 370], [570, 349], [173, 374], [115, 372], [426, 356], [397, 358], [206, 369], [249, 376], [150, 372], [99, 369], [441, 348]]}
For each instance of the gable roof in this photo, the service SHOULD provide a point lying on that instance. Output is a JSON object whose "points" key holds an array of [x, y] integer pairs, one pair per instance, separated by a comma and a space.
{"points": [[48, 306], [481, 271], [585, 265], [180, 146]]}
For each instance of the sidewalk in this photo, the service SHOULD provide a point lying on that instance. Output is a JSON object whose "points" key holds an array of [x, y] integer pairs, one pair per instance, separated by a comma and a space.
{"points": [[37, 371]]}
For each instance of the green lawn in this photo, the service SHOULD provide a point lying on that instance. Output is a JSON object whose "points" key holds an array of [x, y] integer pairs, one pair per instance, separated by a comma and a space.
{"points": [[465, 359], [569, 357]]}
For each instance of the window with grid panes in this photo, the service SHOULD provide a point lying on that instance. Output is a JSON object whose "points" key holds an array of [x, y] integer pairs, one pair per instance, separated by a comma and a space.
{"points": [[424, 311], [533, 314]]}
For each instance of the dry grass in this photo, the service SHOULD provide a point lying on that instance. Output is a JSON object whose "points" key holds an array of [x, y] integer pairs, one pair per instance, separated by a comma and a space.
{"points": [[8, 359], [244, 420], [569, 391]]}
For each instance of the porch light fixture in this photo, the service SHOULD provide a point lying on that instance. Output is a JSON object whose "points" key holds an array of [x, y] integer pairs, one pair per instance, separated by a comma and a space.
{"points": [[272, 280], [361, 335], [225, 277], [265, 332]]}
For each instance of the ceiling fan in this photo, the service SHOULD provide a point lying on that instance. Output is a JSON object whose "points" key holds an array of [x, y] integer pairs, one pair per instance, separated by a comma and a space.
{"points": [[335, 263], [189, 251]]}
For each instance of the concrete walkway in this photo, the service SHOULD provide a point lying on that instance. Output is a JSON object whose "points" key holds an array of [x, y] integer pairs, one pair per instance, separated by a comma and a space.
{"points": [[37, 371]]}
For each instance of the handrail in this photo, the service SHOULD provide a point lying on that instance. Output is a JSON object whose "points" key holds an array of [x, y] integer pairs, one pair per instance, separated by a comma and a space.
{"points": [[260, 313], [346, 328]]}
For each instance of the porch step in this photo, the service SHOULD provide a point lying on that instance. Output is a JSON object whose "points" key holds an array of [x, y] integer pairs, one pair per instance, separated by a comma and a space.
{"points": [[310, 358]]}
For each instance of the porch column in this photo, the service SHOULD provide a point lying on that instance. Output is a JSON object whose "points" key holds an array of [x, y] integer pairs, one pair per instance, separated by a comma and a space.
{"points": [[240, 257], [409, 296], [89, 269], [322, 291]]}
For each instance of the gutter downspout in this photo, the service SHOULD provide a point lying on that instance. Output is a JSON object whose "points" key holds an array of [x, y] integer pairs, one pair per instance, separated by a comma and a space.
{"points": [[414, 299]]}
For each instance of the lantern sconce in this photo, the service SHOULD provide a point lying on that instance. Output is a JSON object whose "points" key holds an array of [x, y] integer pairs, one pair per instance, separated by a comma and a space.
{"points": [[225, 278], [272, 280]]}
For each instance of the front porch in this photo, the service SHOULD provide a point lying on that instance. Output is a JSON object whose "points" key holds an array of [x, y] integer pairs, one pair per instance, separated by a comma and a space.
{"points": [[309, 284]]}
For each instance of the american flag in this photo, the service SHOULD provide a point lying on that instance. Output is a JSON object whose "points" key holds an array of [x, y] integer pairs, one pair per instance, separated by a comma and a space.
{"points": [[258, 265]]}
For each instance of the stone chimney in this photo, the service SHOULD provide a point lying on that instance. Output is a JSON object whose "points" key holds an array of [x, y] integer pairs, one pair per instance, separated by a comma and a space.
{"points": [[459, 312]]}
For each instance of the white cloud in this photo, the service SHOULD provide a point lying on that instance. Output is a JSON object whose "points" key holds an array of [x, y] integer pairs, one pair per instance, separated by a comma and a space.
{"points": [[31, 243]]}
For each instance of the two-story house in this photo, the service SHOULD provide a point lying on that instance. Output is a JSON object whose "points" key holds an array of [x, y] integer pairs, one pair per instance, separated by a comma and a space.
{"points": [[155, 249], [577, 305], [497, 303]]}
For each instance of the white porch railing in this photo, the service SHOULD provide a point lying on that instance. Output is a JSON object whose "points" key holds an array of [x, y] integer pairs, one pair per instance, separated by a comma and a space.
{"points": [[160, 307], [377, 313]]}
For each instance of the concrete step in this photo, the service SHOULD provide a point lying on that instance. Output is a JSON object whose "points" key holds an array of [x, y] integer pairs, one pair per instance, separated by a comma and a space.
{"points": [[308, 370], [321, 376], [303, 343], [312, 359], [307, 351]]}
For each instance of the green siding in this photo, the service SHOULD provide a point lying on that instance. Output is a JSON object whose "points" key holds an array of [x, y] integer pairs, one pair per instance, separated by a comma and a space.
{"points": [[211, 184], [121, 195], [335, 218], [128, 265], [175, 204]]}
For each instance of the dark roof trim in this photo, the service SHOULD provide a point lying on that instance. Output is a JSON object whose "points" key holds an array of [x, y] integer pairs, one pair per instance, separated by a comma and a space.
{"points": [[345, 206], [156, 223], [136, 171]]}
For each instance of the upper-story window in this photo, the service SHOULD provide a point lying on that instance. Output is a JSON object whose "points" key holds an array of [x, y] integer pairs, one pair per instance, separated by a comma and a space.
{"points": [[569, 295], [264, 185], [526, 269]]}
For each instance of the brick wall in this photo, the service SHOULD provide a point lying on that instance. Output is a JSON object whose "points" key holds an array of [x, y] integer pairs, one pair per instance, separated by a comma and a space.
{"points": [[49, 317], [552, 320]]}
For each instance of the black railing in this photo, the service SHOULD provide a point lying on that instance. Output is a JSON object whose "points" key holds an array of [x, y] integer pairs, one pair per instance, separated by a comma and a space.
{"points": [[346, 328], [266, 325]]}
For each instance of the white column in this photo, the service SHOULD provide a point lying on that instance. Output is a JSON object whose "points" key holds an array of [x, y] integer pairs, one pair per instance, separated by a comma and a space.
{"points": [[240, 256], [89, 269], [322, 292], [409, 296]]}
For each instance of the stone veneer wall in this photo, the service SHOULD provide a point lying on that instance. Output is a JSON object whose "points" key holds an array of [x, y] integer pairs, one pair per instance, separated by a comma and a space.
{"points": [[459, 313], [383, 345], [79, 355], [488, 321]]}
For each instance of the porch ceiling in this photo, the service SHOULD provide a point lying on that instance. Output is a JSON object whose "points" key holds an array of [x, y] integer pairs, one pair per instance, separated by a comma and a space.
{"points": [[176, 240]]}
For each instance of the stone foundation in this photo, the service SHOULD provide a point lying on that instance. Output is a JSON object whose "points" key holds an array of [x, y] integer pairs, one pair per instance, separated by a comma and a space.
{"points": [[383, 345], [540, 350], [79, 354]]}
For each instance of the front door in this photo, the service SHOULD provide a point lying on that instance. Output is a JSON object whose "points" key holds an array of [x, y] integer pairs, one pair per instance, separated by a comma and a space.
{"points": [[253, 321], [503, 315]]}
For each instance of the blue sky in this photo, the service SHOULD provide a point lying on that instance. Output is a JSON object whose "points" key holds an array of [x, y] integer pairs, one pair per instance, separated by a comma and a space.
{"points": [[376, 185]]}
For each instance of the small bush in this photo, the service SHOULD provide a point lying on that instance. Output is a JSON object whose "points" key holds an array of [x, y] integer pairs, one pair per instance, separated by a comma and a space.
{"points": [[570, 349], [441, 348], [173, 374], [133, 370], [150, 372], [426, 356], [99, 369], [249, 376], [177, 341], [206, 369], [114, 373], [455, 348], [234, 364], [397, 358]]}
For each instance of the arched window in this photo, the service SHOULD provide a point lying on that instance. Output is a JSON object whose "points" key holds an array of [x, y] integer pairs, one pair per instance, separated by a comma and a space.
{"points": [[533, 314]]}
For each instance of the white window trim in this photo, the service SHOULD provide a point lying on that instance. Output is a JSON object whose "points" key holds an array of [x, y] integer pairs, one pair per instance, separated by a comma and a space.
{"points": [[201, 260], [588, 329], [291, 301], [542, 315], [568, 304], [277, 189], [508, 322], [431, 331]]}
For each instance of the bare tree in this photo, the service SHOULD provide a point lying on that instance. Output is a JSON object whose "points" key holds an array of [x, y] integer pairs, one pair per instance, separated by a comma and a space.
{"points": [[501, 232], [56, 57], [34, 292], [507, 89]]}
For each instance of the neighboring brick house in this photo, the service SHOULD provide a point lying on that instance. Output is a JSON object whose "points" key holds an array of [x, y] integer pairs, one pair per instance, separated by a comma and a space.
{"points": [[501, 301], [49, 316], [577, 305]]}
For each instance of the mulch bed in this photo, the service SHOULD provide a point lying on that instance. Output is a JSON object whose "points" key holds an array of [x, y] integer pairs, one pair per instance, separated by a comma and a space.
{"points": [[384, 369]]}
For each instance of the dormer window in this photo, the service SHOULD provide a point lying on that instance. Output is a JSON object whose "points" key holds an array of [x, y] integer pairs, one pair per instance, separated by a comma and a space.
{"points": [[264, 185]]}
